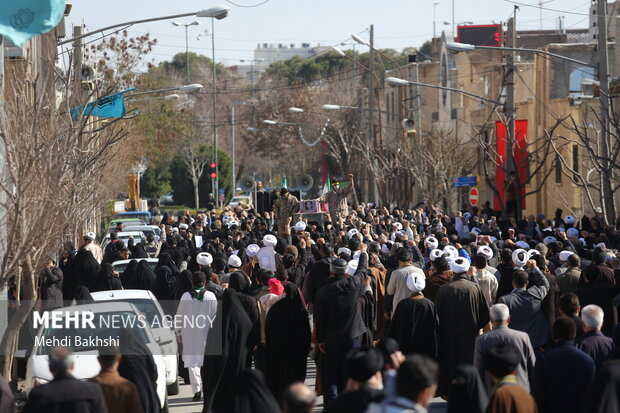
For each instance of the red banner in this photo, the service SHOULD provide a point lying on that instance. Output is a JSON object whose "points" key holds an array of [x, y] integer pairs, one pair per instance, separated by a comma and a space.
{"points": [[520, 155]]}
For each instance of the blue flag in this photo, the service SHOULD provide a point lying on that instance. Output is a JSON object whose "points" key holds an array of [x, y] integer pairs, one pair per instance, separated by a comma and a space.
{"points": [[21, 20], [111, 106]]}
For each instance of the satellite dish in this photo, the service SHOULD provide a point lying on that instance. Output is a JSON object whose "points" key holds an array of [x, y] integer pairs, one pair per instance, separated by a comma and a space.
{"points": [[247, 183], [304, 182]]}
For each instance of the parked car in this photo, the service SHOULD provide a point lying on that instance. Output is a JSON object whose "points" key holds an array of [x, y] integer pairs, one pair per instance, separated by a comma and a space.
{"points": [[124, 236], [147, 304], [240, 199], [143, 215], [125, 222], [85, 358], [167, 199], [147, 229], [121, 265]]}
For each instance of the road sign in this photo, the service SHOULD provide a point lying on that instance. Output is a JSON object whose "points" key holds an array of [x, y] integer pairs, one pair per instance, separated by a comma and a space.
{"points": [[473, 196], [221, 191], [459, 181], [221, 197]]}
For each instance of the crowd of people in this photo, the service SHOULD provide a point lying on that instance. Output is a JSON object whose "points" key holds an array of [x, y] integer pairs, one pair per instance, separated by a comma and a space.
{"points": [[395, 307]]}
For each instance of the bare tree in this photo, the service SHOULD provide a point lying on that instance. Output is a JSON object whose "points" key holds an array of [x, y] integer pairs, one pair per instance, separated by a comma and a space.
{"points": [[195, 157]]}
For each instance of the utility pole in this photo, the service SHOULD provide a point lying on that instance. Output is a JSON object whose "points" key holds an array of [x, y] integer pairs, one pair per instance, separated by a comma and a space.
{"points": [[510, 110], [372, 185], [187, 53], [603, 75]]}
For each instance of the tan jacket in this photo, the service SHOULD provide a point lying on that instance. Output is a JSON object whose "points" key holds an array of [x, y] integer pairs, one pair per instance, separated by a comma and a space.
{"points": [[336, 200], [121, 395], [285, 207]]}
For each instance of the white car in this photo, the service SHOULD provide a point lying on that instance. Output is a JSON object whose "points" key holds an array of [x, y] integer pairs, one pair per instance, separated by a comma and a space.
{"points": [[121, 265], [124, 236], [240, 199], [148, 305], [146, 229], [85, 358]]}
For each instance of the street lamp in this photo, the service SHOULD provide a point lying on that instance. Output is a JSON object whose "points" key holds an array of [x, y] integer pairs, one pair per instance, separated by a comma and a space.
{"points": [[216, 12], [295, 110], [402, 82], [186, 25], [185, 89]]}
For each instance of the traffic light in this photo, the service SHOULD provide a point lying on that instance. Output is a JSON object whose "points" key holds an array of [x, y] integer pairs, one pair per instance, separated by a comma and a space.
{"points": [[213, 170]]}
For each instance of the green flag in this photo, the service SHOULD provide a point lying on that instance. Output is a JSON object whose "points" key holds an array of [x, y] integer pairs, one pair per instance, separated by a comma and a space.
{"points": [[284, 182]]}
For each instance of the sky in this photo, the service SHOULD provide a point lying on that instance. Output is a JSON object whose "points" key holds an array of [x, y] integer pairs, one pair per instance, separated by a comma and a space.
{"points": [[397, 23]]}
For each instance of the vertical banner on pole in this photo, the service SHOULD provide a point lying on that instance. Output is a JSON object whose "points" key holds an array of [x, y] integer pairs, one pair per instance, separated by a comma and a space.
{"points": [[520, 158]]}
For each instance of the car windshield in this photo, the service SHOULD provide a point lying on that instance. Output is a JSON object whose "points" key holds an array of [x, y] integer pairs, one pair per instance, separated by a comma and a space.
{"points": [[107, 324], [123, 266]]}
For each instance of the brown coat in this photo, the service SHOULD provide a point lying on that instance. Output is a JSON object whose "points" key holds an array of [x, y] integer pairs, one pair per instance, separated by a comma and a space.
{"points": [[511, 399], [121, 395]]}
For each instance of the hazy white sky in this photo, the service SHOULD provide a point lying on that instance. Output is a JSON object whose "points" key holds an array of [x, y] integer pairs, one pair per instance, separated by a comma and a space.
{"points": [[398, 23]]}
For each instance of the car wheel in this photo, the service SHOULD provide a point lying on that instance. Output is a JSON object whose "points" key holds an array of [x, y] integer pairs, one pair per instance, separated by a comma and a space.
{"points": [[173, 389]]}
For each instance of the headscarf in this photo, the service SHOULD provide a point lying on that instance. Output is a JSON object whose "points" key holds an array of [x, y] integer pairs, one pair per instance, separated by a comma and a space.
{"points": [[184, 284], [102, 281], [239, 282], [467, 393], [138, 366], [166, 259], [129, 276], [252, 395], [138, 251], [287, 333], [81, 271], [221, 369], [165, 283], [82, 296], [145, 277]]}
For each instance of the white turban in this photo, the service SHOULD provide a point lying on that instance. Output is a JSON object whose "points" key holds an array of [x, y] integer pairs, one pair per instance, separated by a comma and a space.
{"points": [[385, 249], [234, 261], [352, 267], [520, 262], [352, 232], [522, 244], [436, 253], [572, 232], [344, 250], [415, 282], [569, 220], [459, 265], [549, 239], [204, 258], [300, 226], [564, 255], [270, 240], [486, 251], [431, 242], [183, 226], [252, 250], [454, 253]]}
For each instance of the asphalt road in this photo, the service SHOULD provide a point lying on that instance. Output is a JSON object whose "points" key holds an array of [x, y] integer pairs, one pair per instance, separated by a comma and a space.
{"points": [[182, 403]]}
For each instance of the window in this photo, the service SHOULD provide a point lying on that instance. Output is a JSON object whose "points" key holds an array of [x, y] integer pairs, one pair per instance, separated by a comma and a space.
{"points": [[575, 162], [558, 170], [579, 74]]}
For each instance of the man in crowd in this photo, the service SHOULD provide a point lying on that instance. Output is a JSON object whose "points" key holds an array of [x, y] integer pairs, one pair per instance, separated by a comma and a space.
{"points": [[338, 321], [593, 342], [524, 304], [336, 200], [120, 394], [501, 333], [74, 396]]}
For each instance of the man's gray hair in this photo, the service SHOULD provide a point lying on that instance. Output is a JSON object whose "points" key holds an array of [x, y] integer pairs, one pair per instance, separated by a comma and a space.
{"points": [[61, 360], [499, 312], [592, 316]]}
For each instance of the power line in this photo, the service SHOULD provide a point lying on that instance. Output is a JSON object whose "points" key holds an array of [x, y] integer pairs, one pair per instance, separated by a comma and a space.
{"points": [[545, 8]]}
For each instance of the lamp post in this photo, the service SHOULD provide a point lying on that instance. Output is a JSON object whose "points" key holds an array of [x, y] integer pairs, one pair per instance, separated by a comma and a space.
{"points": [[435, 19], [234, 167], [194, 87], [186, 25], [216, 12]]}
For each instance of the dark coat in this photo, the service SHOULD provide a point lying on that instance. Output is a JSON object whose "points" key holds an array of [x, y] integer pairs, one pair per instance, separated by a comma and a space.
{"points": [[317, 278], [525, 309], [65, 394], [595, 345], [462, 311], [51, 290], [600, 293], [561, 377], [336, 312]]}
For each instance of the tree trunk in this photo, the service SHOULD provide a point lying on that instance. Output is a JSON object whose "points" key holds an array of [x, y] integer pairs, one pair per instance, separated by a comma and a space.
{"points": [[8, 345], [196, 195]]}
